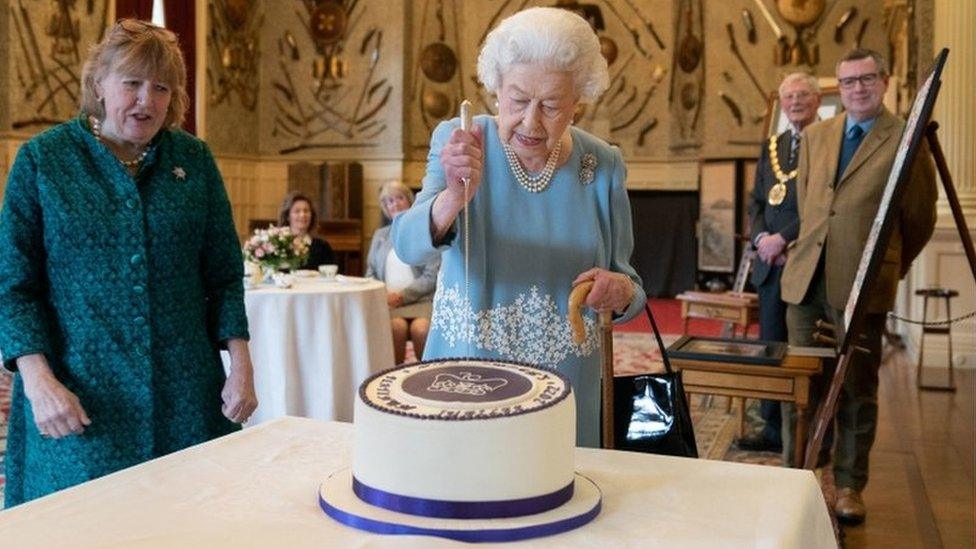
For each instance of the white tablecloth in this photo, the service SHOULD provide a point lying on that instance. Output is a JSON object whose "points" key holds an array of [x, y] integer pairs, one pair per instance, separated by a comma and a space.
{"points": [[259, 488], [313, 344]]}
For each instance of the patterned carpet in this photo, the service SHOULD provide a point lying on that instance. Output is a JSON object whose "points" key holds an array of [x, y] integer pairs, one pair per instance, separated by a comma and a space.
{"points": [[715, 428]]}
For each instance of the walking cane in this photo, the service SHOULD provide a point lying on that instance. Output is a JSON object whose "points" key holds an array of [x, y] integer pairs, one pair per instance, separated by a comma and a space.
{"points": [[576, 299]]}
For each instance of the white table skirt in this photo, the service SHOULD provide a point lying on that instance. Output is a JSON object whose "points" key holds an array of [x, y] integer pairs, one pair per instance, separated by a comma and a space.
{"points": [[313, 344], [259, 488]]}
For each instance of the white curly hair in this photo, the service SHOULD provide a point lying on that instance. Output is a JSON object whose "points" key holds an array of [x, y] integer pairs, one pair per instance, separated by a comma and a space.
{"points": [[551, 37]]}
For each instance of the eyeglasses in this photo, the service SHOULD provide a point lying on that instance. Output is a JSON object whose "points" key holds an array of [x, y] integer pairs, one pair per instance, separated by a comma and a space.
{"points": [[866, 80]]}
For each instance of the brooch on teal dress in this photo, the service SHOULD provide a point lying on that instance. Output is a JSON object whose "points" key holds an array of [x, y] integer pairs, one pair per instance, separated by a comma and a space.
{"points": [[587, 168]]}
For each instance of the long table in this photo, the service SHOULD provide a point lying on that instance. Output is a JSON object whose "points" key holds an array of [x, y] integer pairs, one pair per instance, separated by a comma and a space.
{"points": [[259, 487]]}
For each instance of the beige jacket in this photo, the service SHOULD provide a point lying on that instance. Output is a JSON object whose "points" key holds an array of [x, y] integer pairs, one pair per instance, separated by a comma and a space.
{"points": [[839, 218]]}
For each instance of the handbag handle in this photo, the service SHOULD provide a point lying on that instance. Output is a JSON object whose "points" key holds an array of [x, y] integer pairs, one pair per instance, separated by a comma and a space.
{"points": [[660, 342]]}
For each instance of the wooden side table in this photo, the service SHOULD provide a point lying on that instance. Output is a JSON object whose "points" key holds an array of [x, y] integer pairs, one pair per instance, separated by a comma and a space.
{"points": [[736, 308], [787, 382]]}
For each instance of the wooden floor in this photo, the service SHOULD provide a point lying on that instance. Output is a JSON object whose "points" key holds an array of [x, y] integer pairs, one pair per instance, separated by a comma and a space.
{"points": [[920, 492]]}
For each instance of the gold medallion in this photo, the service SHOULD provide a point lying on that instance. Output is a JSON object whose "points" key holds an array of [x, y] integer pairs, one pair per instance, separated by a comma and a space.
{"points": [[777, 194]]}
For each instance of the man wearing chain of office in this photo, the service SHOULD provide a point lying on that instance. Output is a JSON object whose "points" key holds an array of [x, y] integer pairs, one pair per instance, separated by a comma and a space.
{"points": [[774, 223]]}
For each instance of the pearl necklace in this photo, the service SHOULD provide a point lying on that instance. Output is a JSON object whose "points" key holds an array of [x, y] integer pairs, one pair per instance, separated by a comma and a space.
{"points": [[96, 129], [533, 183]]}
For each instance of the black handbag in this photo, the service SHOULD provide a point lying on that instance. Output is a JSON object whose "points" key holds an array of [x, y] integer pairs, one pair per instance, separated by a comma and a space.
{"points": [[651, 412]]}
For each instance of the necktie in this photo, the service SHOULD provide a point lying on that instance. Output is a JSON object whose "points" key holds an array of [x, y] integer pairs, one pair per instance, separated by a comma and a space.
{"points": [[847, 149], [794, 148]]}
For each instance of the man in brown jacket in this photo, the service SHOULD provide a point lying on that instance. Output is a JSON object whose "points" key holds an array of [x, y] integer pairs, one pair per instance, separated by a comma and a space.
{"points": [[844, 165]]}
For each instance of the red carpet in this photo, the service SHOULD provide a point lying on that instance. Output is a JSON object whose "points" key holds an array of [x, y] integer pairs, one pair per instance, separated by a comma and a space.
{"points": [[667, 314]]}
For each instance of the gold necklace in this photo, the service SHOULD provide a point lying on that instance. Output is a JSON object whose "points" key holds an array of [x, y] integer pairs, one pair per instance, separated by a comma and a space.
{"points": [[777, 194], [96, 129]]}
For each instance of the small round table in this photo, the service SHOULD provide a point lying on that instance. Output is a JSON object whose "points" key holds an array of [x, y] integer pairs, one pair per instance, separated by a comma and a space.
{"points": [[313, 344]]}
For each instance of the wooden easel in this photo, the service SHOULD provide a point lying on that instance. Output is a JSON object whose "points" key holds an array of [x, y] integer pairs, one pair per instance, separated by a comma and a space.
{"points": [[825, 414]]}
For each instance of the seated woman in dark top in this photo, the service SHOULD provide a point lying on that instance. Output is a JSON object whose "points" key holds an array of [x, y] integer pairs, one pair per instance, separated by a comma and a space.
{"points": [[299, 215]]}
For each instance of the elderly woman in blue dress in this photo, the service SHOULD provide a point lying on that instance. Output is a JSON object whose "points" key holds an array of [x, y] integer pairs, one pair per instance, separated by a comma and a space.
{"points": [[409, 288], [120, 279], [547, 209]]}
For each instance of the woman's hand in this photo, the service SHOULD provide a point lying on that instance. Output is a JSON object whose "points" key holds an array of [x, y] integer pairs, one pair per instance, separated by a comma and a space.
{"points": [[57, 411], [238, 395], [611, 291], [461, 157], [394, 299]]}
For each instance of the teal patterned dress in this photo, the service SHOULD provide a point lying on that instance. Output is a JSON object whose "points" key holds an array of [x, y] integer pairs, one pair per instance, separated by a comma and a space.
{"points": [[128, 286]]}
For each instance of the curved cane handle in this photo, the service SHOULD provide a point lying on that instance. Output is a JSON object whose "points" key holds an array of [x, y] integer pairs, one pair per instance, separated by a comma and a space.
{"points": [[577, 299]]}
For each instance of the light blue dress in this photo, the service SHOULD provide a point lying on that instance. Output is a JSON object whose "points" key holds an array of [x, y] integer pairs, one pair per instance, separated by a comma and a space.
{"points": [[525, 251]]}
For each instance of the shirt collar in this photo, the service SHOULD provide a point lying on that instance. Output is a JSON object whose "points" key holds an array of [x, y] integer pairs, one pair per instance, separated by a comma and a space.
{"points": [[866, 125]]}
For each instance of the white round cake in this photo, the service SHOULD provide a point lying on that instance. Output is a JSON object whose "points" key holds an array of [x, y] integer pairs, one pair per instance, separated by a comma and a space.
{"points": [[465, 430]]}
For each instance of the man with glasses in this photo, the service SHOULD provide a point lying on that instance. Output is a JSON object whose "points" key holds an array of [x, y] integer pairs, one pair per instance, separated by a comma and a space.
{"points": [[844, 165], [774, 223]]}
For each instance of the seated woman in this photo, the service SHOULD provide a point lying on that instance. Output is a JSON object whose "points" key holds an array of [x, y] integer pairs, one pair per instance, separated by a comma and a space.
{"points": [[299, 215], [410, 290]]}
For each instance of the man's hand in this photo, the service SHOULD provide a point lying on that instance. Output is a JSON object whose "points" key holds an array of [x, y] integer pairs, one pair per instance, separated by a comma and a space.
{"points": [[770, 247]]}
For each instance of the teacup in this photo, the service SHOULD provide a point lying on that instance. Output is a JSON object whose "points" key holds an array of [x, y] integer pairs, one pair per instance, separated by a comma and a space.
{"points": [[283, 280], [329, 271]]}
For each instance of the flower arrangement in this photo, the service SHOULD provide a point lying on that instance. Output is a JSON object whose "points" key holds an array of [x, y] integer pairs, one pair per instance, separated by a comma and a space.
{"points": [[277, 248]]}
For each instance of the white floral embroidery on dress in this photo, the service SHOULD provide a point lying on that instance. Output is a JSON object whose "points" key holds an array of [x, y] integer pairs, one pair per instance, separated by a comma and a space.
{"points": [[531, 329]]}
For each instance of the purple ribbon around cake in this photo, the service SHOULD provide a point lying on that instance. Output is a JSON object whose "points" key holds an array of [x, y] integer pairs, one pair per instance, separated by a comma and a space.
{"points": [[471, 536], [436, 508]]}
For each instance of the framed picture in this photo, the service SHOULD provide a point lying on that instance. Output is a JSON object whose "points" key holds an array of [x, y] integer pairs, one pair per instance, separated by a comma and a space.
{"points": [[830, 106], [716, 217], [718, 349], [884, 219]]}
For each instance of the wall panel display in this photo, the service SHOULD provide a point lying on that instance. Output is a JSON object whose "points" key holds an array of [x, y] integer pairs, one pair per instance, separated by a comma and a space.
{"points": [[48, 42]]}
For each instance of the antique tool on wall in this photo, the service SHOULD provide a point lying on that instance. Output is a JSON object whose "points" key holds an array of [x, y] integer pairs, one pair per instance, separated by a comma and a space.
{"points": [[609, 50], [336, 109], [647, 23], [750, 26], [690, 49], [646, 130], [630, 99], [656, 77], [436, 104], [292, 45], [781, 52], [738, 55], [860, 32], [800, 15], [64, 31], [634, 34], [733, 107], [438, 62], [234, 35], [688, 78], [844, 20], [47, 64]]}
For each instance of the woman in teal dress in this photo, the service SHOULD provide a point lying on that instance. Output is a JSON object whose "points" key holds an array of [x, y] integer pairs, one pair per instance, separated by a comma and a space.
{"points": [[531, 237], [120, 279]]}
